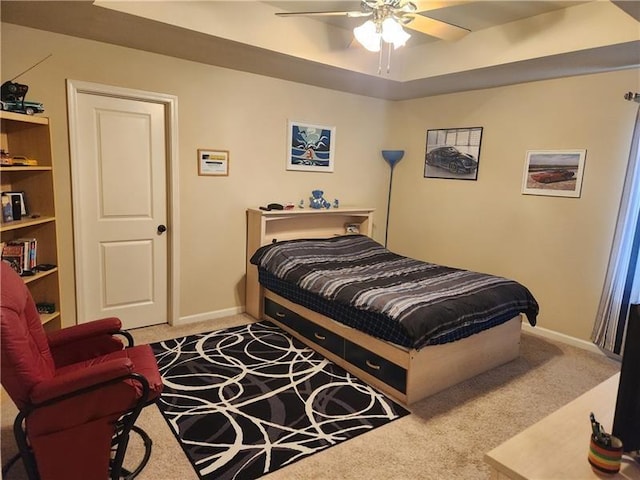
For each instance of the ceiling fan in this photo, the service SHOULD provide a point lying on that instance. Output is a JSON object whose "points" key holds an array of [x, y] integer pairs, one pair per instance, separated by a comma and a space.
{"points": [[390, 16]]}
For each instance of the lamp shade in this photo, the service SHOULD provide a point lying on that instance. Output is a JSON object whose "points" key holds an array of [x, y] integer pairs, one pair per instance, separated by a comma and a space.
{"points": [[392, 156], [392, 32], [368, 36]]}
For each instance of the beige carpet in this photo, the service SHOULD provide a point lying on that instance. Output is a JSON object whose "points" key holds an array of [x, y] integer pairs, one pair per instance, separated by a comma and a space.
{"points": [[445, 437]]}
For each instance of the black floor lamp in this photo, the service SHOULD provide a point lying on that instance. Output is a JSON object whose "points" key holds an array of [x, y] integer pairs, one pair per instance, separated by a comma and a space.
{"points": [[392, 157]]}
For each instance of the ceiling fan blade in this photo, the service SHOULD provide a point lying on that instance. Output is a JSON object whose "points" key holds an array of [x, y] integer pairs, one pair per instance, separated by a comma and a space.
{"points": [[427, 5], [354, 14], [436, 28]]}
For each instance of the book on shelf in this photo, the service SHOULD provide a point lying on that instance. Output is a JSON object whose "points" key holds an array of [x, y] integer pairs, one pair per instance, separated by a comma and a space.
{"points": [[21, 253], [14, 255]]}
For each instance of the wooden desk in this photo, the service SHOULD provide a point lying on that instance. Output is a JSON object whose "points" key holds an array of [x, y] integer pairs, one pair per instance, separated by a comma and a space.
{"points": [[556, 447]]}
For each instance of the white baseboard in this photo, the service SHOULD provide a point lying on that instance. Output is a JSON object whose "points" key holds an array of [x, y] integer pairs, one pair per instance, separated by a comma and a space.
{"points": [[201, 317], [561, 337]]}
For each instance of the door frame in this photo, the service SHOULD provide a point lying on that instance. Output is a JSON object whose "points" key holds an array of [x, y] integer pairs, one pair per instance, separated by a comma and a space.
{"points": [[170, 102]]}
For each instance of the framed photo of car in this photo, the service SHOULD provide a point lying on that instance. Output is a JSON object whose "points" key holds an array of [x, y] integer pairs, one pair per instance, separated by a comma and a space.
{"points": [[453, 153], [556, 173]]}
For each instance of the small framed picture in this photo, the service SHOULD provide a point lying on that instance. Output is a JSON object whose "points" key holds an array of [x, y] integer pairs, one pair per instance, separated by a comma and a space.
{"points": [[352, 228], [213, 162], [18, 201], [556, 173], [7, 209], [310, 148]]}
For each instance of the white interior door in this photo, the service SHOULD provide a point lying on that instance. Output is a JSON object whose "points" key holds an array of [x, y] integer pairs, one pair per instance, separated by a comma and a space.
{"points": [[120, 209]]}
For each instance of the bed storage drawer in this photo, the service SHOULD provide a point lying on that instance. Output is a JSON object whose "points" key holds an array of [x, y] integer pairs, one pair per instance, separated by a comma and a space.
{"points": [[313, 332], [390, 373]]}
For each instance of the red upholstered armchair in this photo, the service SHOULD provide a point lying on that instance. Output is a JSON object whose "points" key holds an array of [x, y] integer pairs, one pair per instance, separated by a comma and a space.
{"points": [[79, 391]]}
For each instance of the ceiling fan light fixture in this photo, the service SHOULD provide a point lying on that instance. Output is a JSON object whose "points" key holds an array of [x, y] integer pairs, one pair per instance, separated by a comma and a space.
{"points": [[392, 32], [368, 36]]}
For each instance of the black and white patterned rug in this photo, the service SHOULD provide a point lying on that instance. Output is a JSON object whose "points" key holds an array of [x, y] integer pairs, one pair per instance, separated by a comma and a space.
{"points": [[249, 400]]}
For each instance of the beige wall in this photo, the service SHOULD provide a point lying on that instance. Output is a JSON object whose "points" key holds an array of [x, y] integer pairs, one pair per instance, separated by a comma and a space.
{"points": [[217, 108], [558, 247]]}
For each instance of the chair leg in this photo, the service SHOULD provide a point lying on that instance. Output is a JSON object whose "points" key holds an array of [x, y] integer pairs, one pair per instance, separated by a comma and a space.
{"points": [[126, 474], [124, 427], [7, 466], [121, 441], [26, 453]]}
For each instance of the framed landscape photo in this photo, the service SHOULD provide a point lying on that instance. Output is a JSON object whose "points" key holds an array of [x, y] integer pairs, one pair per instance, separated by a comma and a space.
{"points": [[453, 153], [310, 148], [556, 173], [213, 162]]}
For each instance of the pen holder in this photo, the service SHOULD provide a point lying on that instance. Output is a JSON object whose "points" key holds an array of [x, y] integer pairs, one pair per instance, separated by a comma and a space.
{"points": [[605, 457]]}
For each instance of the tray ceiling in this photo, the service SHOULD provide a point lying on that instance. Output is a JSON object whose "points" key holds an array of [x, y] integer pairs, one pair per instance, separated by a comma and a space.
{"points": [[510, 41]]}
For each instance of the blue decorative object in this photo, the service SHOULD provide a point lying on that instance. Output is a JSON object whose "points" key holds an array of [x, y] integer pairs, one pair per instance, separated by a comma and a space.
{"points": [[317, 200], [392, 157]]}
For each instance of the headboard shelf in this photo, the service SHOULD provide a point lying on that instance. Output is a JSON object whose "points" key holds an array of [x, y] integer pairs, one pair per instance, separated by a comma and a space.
{"points": [[266, 226]]}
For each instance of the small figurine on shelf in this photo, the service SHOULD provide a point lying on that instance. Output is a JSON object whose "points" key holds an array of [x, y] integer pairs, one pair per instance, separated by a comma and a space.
{"points": [[317, 200], [301, 203], [5, 158], [336, 203]]}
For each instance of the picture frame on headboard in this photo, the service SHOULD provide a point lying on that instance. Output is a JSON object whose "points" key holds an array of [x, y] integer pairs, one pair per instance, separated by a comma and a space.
{"points": [[352, 228], [310, 148]]}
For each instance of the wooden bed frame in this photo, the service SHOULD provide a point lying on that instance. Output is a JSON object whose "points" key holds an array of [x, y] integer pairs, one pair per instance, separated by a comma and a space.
{"points": [[408, 375]]}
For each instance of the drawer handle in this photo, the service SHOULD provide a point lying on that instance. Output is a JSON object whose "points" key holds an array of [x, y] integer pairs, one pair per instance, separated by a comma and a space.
{"points": [[280, 315], [319, 337], [372, 365]]}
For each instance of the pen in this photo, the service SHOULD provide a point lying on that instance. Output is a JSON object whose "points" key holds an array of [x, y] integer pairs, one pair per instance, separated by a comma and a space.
{"points": [[595, 426], [599, 434]]}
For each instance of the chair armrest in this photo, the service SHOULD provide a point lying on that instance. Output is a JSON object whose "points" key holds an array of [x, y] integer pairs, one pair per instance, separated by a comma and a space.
{"points": [[83, 378], [84, 331], [86, 341]]}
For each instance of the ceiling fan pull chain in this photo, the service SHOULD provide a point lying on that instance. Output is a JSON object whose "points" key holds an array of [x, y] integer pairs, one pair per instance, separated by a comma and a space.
{"points": [[380, 58], [389, 58]]}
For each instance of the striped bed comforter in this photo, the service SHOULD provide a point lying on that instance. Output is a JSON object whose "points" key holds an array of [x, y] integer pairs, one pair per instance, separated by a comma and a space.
{"points": [[426, 299]]}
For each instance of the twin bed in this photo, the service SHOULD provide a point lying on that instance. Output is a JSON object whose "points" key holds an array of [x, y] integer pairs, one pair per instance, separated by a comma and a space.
{"points": [[407, 327]]}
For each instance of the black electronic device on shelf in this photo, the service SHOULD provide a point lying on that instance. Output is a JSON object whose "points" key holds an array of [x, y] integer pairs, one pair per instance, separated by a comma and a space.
{"points": [[626, 421]]}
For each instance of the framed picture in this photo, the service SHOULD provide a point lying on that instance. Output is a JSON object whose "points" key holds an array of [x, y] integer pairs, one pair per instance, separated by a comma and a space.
{"points": [[453, 153], [352, 228], [18, 201], [310, 148], [556, 173], [213, 162], [7, 209]]}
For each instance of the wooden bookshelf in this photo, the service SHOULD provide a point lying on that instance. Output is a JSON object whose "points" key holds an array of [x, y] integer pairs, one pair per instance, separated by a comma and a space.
{"points": [[25, 222], [29, 136]]}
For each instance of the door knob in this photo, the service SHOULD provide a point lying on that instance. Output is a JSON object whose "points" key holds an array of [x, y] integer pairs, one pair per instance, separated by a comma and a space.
{"points": [[161, 229]]}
